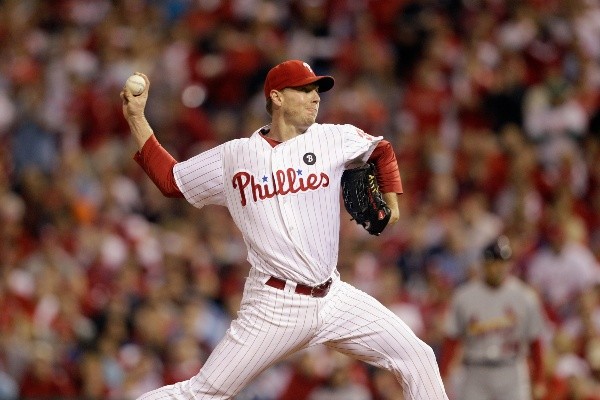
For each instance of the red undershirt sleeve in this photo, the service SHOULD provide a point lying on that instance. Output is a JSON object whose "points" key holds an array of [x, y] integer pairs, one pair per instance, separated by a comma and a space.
{"points": [[158, 165], [388, 175]]}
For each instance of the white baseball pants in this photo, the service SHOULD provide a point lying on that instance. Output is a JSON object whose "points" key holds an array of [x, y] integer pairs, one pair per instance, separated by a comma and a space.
{"points": [[273, 324]]}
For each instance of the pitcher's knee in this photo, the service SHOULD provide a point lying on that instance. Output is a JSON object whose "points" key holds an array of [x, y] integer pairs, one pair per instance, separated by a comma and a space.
{"points": [[426, 353], [418, 374], [419, 359]]}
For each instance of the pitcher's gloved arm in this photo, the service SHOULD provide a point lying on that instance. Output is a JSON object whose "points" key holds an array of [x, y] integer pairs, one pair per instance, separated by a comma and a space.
{"points": [[386, 167], [388, 177], [391, 199]]}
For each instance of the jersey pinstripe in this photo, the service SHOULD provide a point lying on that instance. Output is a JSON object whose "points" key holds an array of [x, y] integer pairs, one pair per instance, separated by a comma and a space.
{"points": [[285, 199]]}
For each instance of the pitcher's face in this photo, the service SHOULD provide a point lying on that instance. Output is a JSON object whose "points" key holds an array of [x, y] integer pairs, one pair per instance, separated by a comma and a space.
{"points": [[300, 105]]}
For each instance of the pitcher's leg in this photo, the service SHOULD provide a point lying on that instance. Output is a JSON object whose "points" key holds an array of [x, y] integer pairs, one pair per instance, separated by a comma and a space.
{"points": [[271, 325], [357, 324]]}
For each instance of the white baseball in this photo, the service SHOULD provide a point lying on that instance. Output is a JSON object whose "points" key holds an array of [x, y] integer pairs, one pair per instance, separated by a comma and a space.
{"points": [[135, 84]]}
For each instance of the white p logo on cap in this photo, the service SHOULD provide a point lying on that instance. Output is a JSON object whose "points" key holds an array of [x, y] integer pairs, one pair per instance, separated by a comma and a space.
{"points": [[308, 67]]}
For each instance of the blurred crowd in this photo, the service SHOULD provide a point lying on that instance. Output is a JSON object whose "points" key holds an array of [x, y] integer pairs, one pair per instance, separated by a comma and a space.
{"points": [[108, 290]]}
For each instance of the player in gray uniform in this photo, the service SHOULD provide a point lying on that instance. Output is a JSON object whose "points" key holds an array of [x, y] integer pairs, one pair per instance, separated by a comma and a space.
{"points": [[498, 320]]}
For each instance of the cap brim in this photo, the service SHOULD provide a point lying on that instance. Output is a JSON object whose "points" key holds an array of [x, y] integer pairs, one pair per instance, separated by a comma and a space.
{"points": [[324, 83]]}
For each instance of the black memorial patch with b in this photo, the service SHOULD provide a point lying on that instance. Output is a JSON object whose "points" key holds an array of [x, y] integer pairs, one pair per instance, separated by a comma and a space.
{"points": [[310, 158]]}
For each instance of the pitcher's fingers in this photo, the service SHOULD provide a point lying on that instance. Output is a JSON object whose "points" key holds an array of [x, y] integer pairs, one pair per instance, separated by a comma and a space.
{"points": [[123, 96], [145, 79]]}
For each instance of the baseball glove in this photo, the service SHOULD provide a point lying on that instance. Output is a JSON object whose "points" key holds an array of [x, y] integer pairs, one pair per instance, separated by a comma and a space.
{"points": [[363, 200]]}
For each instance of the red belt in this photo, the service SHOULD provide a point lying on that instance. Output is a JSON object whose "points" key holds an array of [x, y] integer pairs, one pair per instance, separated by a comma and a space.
{"points": [[313, 291]]}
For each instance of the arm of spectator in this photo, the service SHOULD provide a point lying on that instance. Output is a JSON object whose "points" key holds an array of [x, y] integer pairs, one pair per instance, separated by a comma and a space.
{"points": [[535, 115]]}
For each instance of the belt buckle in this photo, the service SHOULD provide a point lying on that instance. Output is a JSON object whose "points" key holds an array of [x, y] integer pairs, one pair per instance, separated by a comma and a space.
{"points": [[312, 290], [319, 287]]}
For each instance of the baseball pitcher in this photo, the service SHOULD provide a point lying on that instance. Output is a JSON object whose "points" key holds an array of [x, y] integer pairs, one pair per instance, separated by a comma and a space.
{"points": [[282, 188]]}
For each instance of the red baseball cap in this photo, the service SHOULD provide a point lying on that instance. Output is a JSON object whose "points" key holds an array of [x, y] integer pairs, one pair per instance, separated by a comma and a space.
{"points": [[295, 73]]}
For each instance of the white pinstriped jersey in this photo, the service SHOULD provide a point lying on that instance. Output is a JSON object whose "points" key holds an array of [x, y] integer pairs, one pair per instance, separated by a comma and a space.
{"points": [[284, 199]]}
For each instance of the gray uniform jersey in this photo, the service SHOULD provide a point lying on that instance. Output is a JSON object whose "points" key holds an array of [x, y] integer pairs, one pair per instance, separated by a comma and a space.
{"points": [[495, 327]]}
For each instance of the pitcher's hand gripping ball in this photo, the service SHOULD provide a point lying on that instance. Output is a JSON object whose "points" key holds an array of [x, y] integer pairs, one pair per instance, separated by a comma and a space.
{"points": [[136, 84], [363, 199]]}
